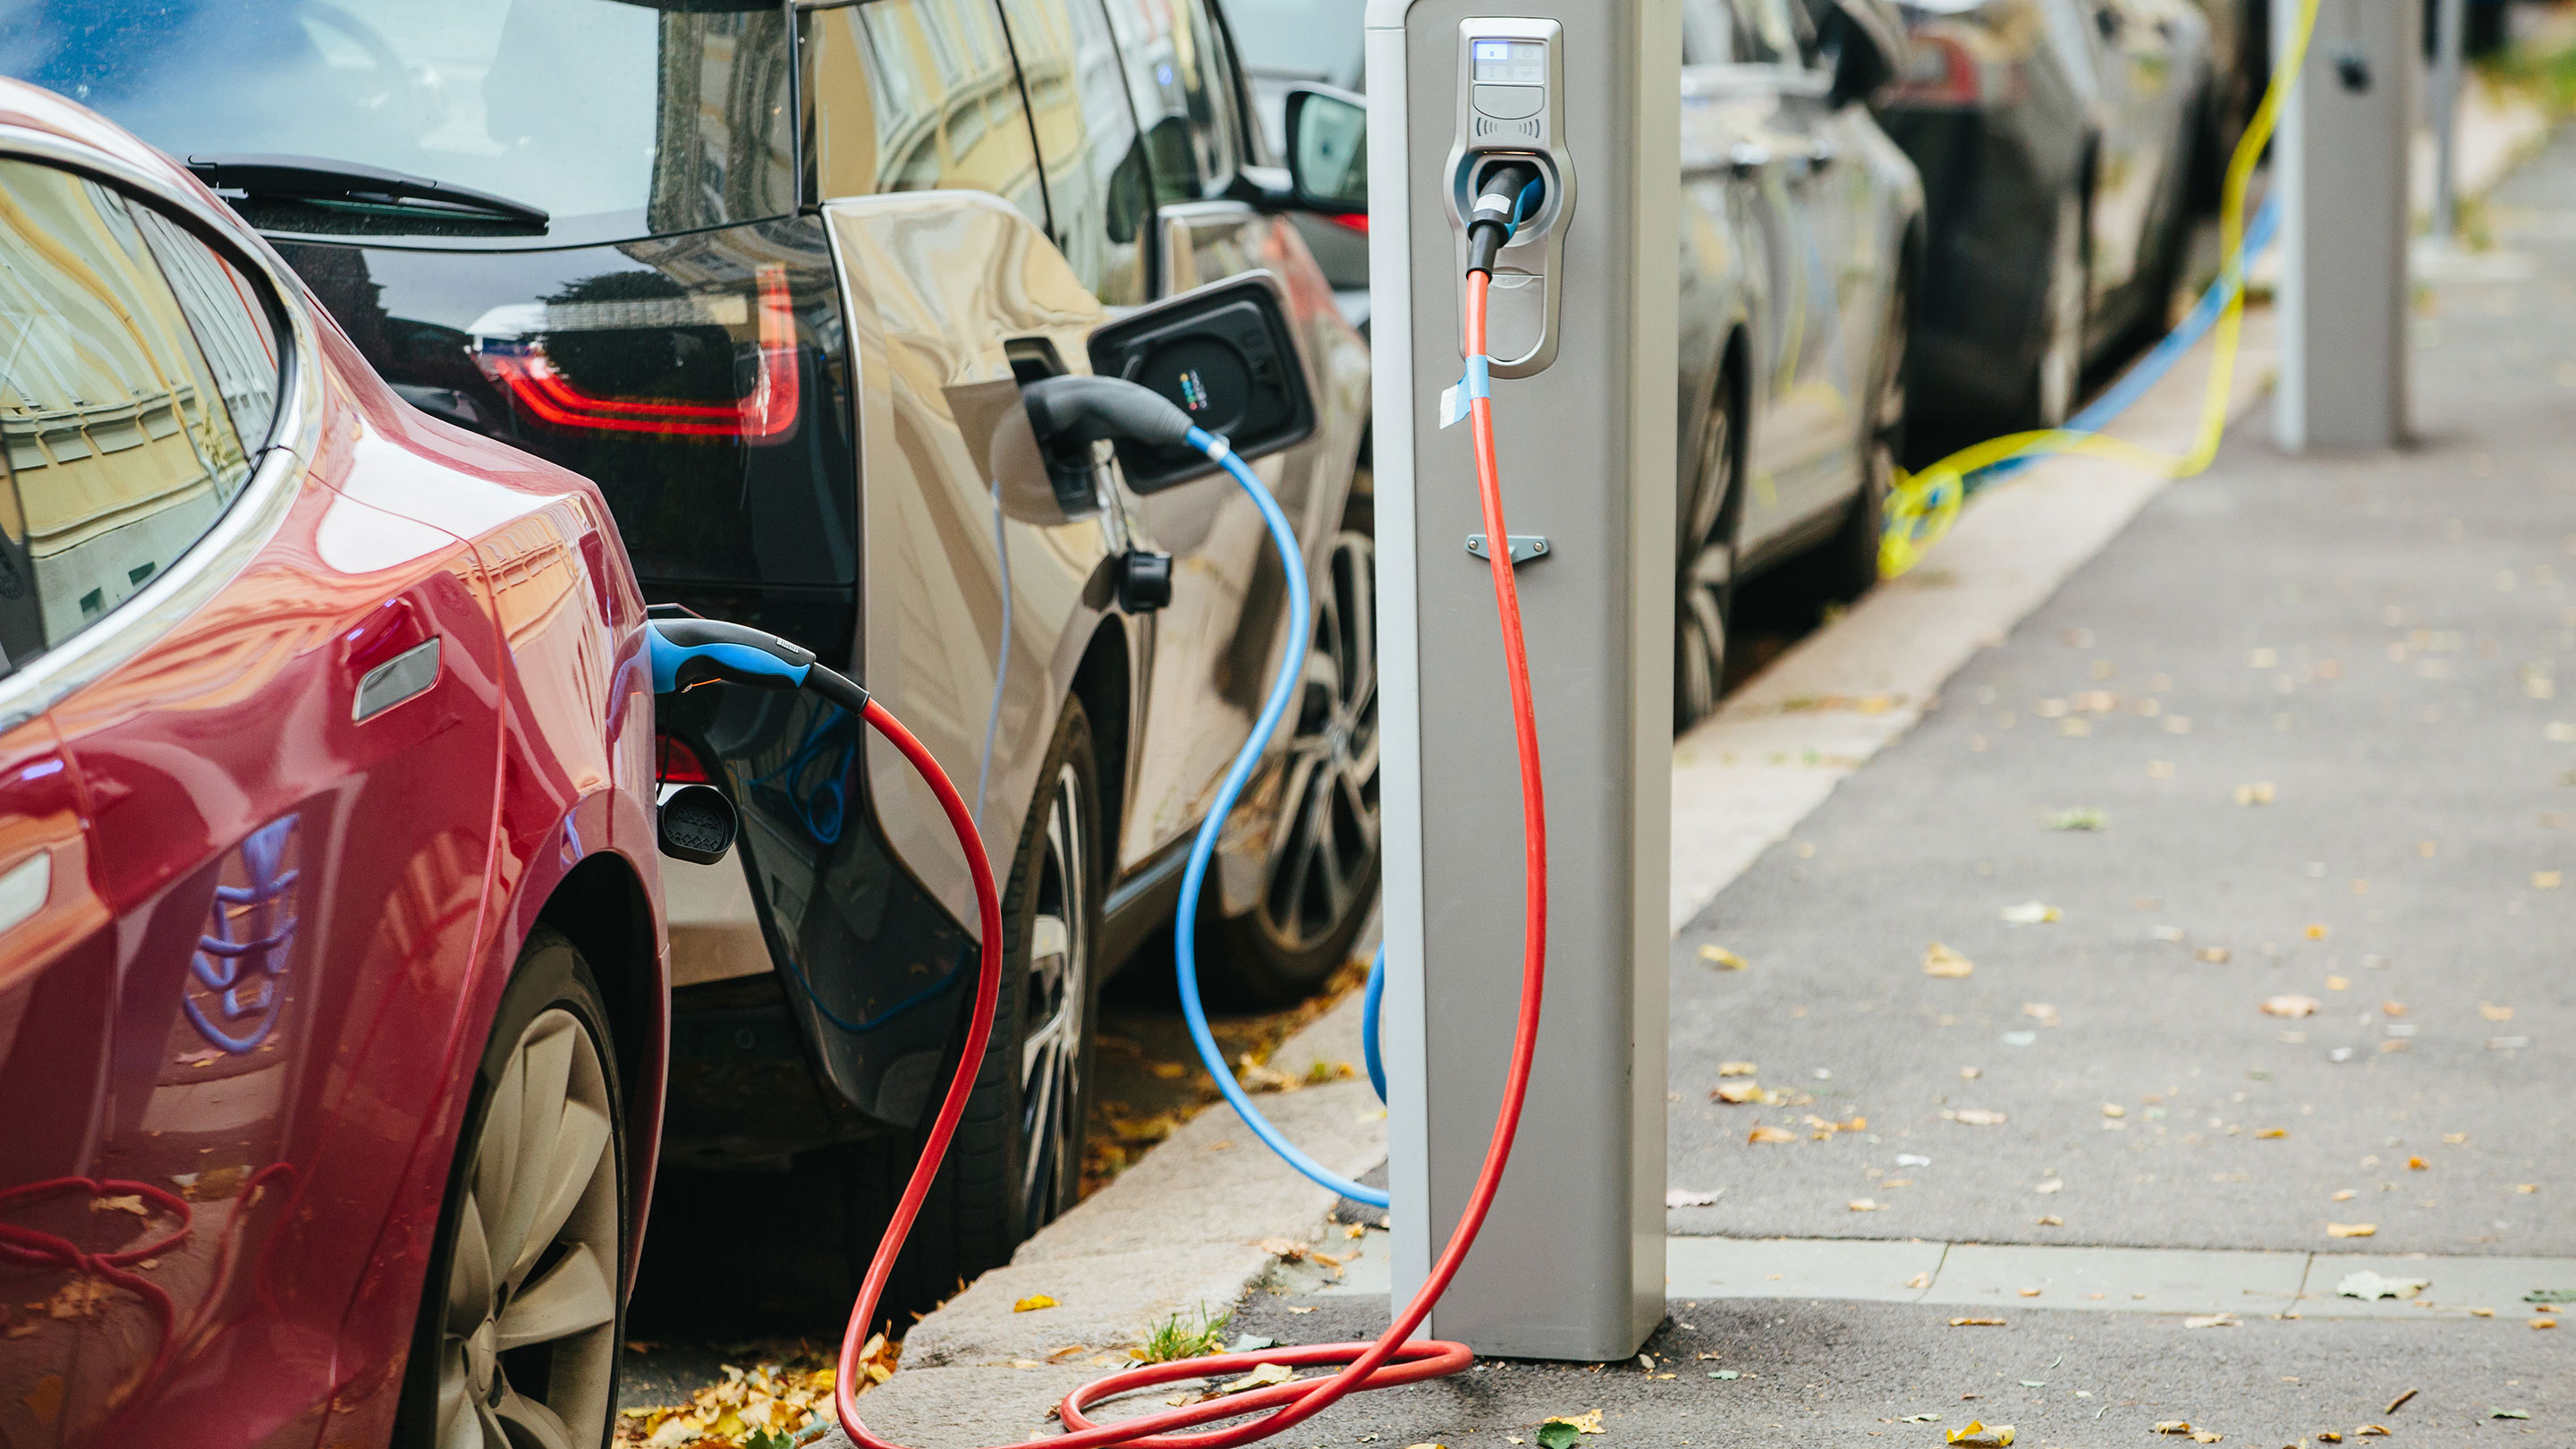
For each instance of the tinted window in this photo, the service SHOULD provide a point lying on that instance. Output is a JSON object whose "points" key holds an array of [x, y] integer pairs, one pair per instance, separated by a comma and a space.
{"points": [[613, 116], [918, 95], [1098, 188], [132, 403], [1709, 33], [1177, 71]]}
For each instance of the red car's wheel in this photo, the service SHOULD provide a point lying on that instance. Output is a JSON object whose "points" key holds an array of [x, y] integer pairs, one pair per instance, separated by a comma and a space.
{"points": [[517, 1340]]}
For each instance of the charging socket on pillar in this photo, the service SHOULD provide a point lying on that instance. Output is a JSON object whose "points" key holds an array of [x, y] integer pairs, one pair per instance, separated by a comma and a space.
{"points": [[1511, 90]]}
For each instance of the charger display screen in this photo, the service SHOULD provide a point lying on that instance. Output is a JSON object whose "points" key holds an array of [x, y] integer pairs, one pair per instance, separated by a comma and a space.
{"points": [[1511, 62]]}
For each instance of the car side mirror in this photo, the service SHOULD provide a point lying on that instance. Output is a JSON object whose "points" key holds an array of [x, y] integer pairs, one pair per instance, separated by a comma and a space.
{"points": [[1328, 150], [1225, 355], [1868, 42]]}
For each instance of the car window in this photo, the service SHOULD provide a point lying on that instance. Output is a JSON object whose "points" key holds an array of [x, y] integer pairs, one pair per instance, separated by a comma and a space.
{"points": [[918, 95], [138, 379], [1708, 33], [1178, 72], [615, 117], [1098, 188], [1771, 33]]}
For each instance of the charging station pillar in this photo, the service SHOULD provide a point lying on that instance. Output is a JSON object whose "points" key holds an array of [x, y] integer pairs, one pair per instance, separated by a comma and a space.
{"points": [[1570, 1264], [2342, 157]]}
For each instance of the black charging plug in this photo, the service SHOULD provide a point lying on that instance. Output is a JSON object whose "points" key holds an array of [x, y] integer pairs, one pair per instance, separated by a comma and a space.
{"points": [[1499, 210]]}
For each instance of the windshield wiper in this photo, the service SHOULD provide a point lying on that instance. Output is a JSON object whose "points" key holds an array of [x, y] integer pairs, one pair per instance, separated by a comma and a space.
{"points": [[318, 178]]}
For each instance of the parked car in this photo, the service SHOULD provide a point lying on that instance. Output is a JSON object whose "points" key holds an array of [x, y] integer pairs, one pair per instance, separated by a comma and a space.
{"points": [[2057, 141], [690, 250], [1801, 238], [331, 1002]]}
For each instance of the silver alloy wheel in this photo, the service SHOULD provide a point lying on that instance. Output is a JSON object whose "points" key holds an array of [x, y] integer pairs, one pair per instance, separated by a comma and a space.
{"points": [[1054, 1006], [528, 1350], [1706, 575], [1324, 837], [2061, 366]]}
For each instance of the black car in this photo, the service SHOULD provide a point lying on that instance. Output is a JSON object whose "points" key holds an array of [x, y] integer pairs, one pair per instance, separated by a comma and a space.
{"points": [[773, 275]]}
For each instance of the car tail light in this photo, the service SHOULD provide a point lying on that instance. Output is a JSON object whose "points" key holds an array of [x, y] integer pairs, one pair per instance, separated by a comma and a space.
{"points": [[1944, 70], [766, 414], [676, 764], [1357, 222]]}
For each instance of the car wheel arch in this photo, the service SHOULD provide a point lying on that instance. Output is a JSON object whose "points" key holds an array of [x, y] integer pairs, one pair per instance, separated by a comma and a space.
{"points": [[1104, 682]]}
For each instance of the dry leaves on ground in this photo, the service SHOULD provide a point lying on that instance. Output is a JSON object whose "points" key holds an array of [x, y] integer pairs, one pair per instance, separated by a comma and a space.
{"points": [[2352, 1230], [1941, 961], [1682, 1197], [1976, 1323], [2290, 1004], [1973, 1116], [767, 1407], [1770, 1134], [1975, 1435], [1722, 958], [1033, 1303], [2032, 913]]}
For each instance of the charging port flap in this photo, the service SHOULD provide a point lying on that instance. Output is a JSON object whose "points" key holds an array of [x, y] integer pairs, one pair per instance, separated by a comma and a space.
{"points": [[1225, 355]]}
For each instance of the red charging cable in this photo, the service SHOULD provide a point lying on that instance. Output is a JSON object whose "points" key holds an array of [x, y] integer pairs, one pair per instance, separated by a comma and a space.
{"points": [[1393, 1358]]}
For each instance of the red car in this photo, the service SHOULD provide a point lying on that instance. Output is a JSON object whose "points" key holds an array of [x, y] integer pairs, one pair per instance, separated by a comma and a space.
{"points": [[329, 908]]}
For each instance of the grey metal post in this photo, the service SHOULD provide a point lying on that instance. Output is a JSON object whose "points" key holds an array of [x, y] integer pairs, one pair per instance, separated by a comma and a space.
{"points": [[2341, 163], [2450, 48], [1571, 1261]]}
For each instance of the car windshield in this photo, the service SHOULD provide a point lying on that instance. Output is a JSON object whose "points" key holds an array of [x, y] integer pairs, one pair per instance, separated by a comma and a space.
{"points": [[560, 104], [1305, 39]]}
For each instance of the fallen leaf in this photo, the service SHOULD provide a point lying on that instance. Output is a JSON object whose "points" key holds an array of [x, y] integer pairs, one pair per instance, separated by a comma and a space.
{"points": [[2316, 932], [2032, 913], [1771, 1134], [2329, 1437], [1569, 1425], [2054, 1184], [2367, 1285], [1944, 962], [1735, 1069], [1682, 1197], [2526, 1187], [129, 1203], [1285, 1249], [2546, 880], [1738, 1093], [2028, 1292], [2399, 1402], [1975, 1435], [1033, 1303], [2290, 1005], [2371, 1431], [1976, 1117], [1722, 958], [2173, 1426], [1262, 1376], [1725, 1374], [1866, 1205], [2052, 1221], [2544, 1323], [1919, 1280], [2338, 983], [2212, 1320], [2507, 1414], [1976, 1323], [2205, 1436], [2040, 1011], [2352, 1230], [2415, 1164], [2114, 1109], [2081, 817], [2273, 1132], [2493, 1012], [1920, 1419], [2255, 794]]}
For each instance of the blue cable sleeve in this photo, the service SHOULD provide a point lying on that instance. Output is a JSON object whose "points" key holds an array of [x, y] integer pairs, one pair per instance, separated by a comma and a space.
{"points": [[1373, 1001], [1283, 692], [2149, 370]]}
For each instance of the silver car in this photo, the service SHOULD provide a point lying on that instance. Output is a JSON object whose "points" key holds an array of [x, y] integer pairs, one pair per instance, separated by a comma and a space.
{"points": [[1802, 233]]}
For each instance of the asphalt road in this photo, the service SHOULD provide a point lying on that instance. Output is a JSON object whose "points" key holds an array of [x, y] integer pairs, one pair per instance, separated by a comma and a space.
{"points": [[1844, 1373], [2370, 650]]}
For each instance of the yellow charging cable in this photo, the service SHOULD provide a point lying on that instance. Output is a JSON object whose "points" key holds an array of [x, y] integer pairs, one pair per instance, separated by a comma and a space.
{"points": [[1922, 506]]}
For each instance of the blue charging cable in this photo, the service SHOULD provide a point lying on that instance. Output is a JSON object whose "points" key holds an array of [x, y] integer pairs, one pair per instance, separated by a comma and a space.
{"points": [[1283, 692]]}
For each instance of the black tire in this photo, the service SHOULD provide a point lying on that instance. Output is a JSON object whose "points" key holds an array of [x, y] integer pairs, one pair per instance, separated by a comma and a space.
{"points": [[1851, 561], [551, 995], [1016, 1162], [1311, 816], [1705, 514]]}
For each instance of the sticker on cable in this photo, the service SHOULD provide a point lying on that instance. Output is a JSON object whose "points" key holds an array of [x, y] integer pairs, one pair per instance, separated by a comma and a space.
{"points": [[1476, 382]]}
